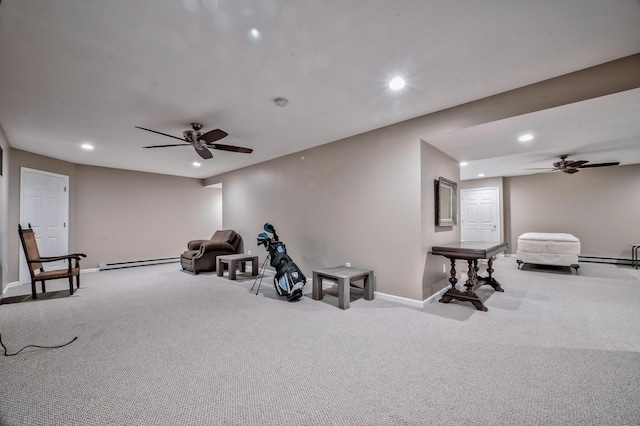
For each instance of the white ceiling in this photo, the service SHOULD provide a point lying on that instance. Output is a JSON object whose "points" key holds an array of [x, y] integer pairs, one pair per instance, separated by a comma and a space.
{"points": [[75, 71]]}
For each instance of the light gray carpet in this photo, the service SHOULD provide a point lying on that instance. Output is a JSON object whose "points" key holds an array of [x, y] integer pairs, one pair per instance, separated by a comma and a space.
{"points": [[157, 346]]}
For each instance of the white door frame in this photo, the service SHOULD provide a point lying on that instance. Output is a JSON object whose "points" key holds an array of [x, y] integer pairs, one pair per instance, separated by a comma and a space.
{"points": [[64, 214], [463, 206]]}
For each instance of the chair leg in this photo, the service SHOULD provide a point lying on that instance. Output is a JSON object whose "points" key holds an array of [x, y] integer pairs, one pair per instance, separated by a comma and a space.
{"points": [[78, 280], [44, 287], [33, 290], [71, 285]]}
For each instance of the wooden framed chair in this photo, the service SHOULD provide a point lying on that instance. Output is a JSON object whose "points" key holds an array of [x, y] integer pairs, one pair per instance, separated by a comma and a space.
{"points": [[35, 261]]}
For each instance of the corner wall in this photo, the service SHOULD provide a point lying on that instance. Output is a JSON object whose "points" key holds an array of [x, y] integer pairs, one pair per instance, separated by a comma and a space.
{"points": [[435, 163], [4, 212]]}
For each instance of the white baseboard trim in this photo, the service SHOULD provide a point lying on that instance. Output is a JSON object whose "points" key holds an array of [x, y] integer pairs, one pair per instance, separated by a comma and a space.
{"points": [[89, 270], [411, 302], [399, 299], [10, 285]]}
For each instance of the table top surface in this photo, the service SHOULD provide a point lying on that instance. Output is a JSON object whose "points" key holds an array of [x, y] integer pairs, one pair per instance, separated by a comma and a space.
{"points": [[343, 271], [471, 249], [237, 256]]}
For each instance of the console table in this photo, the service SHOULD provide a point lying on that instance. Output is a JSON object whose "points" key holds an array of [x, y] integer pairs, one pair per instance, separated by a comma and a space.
{"points": [[343, 275], [233, 260], [470, 251]]}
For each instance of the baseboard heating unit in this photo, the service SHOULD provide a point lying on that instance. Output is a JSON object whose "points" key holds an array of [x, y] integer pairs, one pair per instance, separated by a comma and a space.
{"points": [[610, 260], [134, 263]]}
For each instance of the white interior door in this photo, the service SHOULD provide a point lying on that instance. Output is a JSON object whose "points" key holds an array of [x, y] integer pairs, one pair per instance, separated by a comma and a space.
{"points": [[44, 203], [480, 214]]}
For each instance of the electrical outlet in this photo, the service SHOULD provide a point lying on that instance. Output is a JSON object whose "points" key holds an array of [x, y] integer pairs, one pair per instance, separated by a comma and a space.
{"points": [[248, 251], [444, 268], [348, 265]]}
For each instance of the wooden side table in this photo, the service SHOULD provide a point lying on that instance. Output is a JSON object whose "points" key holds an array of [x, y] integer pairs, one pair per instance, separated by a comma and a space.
{"points": [[634, 256], [233, 260], [343, 275]]}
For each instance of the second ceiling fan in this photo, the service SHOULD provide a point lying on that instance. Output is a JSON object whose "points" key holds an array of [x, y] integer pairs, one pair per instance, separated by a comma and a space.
{"points": [[201, 142], [573, 166]]}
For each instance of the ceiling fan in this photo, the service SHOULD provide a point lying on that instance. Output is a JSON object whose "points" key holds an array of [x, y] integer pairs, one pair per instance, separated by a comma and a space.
{"points": [[573, 166], [201, 142]]}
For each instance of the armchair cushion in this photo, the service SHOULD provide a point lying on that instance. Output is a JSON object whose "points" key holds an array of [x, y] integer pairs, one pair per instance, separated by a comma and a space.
{"points": [[208, 246]]}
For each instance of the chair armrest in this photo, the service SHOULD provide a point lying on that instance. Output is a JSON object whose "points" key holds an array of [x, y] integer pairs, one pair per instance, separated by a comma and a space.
{"points": [[195, 244], [76, 256], [216, 245]]}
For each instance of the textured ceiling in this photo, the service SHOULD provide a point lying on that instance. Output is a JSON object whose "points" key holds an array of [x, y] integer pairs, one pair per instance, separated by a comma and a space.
{"points": [[75, 71]]}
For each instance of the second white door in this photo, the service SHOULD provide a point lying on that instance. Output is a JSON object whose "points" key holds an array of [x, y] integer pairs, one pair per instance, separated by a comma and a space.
{"points": [[480, 214]]}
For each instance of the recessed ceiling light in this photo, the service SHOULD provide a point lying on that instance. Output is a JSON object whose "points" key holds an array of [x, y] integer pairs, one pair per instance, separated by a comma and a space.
{"points": [[396, 83], [254, 34], [464, 163], [87, 146], [526, 137], [196, 164], [480, 174]]}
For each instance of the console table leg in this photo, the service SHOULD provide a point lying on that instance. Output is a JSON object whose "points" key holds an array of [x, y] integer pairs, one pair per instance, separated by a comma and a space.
{"points": [[471, 276], [447, 296], [490, 280]]}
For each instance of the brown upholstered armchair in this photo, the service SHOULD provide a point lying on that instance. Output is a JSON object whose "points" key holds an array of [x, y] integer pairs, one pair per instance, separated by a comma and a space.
{"points": [[201, 254]]}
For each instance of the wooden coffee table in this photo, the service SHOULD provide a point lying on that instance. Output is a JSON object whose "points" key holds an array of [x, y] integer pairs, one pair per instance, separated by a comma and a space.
{"points": [[343, 275], [233, 260]]}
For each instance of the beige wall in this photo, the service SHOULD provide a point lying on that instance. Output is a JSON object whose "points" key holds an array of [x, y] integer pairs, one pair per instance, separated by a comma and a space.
{"points": [[356, 200], [125, 215], [4, 212], [599, 206], [119, 215], [435, 163]]}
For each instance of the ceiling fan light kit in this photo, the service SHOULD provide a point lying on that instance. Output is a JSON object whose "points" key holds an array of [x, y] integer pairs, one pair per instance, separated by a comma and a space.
{"points": [[201, 142]]}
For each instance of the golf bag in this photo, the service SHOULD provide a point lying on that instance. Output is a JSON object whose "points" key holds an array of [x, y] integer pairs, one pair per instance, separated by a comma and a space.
{"points": [[289, 279]]}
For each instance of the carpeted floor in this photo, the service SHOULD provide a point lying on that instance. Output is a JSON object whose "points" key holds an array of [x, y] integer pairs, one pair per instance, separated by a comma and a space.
{"points": [[158, 346]]}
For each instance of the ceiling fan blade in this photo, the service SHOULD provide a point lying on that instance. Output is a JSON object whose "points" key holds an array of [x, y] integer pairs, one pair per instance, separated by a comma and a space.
{"points": [[575, 164], [230, 148], [160, 133], [204, 152], [541, 168], [571, 171], [615, 163], [213, 135], [164, 146]]}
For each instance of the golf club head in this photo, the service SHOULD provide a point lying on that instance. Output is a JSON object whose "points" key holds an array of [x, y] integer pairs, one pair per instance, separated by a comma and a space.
{"points": [[263, 235], [269, 228]]}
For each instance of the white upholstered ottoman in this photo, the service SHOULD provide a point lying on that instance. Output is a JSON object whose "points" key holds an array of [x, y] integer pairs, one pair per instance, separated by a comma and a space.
{"points": [[543, 248]]}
